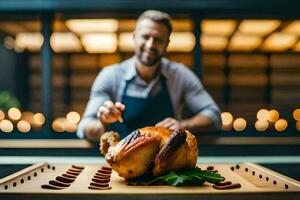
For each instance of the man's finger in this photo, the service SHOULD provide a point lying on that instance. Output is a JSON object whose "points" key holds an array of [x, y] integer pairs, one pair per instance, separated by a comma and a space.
{"points": [[104, 110], [168, 124], [164, 122], [120, 106], [111, 106], [104, 118], [108, 103], [174, 126], [104, 113]]}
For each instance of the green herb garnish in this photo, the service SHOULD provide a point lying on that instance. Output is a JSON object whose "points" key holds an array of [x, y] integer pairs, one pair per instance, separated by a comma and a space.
{"points": [[194, 176]]}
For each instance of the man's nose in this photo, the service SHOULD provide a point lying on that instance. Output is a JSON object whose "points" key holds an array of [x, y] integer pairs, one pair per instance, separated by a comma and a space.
{"points": [[150, 43]]}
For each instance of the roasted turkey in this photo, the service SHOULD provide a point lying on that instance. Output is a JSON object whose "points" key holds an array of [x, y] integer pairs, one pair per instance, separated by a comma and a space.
{"points": [[155, 149]]}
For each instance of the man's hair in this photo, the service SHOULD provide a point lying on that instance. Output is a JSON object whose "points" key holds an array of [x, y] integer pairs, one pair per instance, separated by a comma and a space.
{"points": [[157, 16]]}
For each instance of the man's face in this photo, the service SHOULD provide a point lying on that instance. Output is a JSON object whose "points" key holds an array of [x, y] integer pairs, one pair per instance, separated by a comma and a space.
{"points": [[151, 40]]}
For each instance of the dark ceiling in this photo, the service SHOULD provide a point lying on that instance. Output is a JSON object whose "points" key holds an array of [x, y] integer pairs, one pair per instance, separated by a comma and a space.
{"points": [[205, 8]]}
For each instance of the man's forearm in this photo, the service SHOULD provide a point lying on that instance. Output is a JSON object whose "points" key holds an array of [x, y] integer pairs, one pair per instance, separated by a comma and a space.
{"points": [[94, 129]]}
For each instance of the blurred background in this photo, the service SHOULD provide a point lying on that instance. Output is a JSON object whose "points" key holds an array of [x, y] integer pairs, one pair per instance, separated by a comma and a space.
{"points": [[247, 61]]}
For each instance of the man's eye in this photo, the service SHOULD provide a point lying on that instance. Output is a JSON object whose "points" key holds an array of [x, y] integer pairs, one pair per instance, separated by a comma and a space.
{"points": [[145, 37]]}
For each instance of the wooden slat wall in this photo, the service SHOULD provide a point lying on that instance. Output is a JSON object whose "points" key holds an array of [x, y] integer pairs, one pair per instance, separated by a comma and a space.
{"points": [[248, 82], [247, 79]]}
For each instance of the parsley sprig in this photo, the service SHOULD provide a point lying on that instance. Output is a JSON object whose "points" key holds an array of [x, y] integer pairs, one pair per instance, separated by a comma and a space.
{"points": [[194, 176]]}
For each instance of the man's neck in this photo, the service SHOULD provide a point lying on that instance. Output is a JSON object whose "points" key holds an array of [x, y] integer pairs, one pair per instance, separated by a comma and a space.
{"points": [[147, 73]]}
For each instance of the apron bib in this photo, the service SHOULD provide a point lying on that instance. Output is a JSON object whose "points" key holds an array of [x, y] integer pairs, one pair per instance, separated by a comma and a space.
{"points": [[141, 112]]}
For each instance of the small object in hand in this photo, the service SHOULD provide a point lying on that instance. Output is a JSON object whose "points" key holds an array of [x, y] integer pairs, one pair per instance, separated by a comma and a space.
{"points": [[120, 106], [120, 119]]}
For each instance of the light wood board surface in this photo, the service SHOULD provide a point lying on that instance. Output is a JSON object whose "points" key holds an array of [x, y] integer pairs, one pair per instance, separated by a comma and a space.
{"points": [[256, 181]]}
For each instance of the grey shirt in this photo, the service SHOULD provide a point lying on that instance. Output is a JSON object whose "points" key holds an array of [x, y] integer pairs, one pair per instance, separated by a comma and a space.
{"points": [[188, 96]]}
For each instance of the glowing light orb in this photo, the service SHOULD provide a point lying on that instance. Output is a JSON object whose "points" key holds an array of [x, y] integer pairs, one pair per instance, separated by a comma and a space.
{"points": [[73, 117], [6, 126], [273, 115], [14, 114], [23, 126], [262, 115], [227, 120], [281, 125], [261, 125], [239, 124]]}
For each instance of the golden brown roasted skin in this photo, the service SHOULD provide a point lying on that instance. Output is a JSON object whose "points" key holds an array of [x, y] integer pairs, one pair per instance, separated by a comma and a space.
{"points": [[153, 148], [179, 151]]}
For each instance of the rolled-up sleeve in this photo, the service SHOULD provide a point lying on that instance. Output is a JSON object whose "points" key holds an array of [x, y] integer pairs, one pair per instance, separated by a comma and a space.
{"points": [[198, 100], [100, 92]]}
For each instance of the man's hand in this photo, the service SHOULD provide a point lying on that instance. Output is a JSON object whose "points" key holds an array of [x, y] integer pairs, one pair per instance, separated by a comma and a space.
{"points": [[170, 123], [111, 112]]}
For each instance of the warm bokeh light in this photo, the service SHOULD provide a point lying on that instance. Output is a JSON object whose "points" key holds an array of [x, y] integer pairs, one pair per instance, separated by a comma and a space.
{"points": [[6, 126], [30, 41], [58, 124], [181, 42], [279, 42], [126, 42], [213, 43], [293, 28], [14, 114], [63, 125], [258, 27], [81, 26], [39, 119], [73, 117], [2, 115], [23, 126], [261, 125], [240, 42], [262, 115], [70, 127], [218, 27], [273, 115], [28, 116], [239, 124], [227, 120], [100, 42], [281, 125], [296, 114], [65, 42]]}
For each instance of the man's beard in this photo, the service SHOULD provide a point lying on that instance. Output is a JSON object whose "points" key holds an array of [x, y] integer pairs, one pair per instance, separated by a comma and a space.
{"points": [[149, 62]]}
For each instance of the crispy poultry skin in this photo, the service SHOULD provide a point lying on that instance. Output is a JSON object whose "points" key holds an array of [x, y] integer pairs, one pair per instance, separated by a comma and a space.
{"points": [[153, 148]]}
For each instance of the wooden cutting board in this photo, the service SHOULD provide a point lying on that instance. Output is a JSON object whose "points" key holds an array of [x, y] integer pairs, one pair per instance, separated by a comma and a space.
{"points": [[256, 182]]}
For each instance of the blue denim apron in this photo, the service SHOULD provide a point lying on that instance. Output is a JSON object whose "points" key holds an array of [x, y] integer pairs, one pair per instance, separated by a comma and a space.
{"points": [[141, 112]]}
